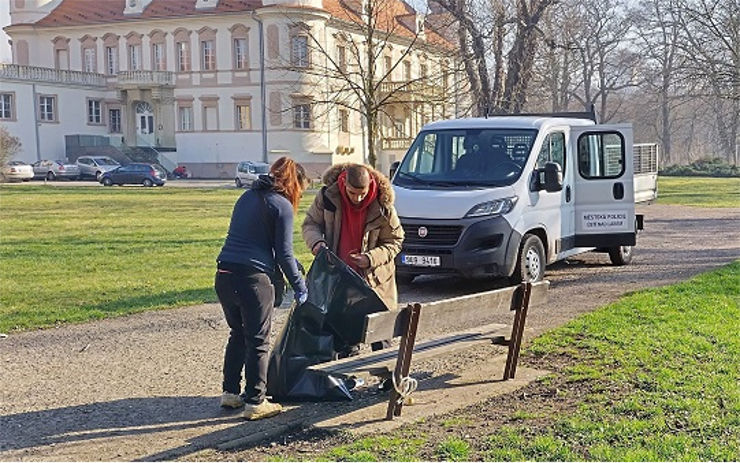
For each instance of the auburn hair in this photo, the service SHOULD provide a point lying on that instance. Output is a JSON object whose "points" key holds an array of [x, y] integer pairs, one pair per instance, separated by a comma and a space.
{"points": [[290, 179]]}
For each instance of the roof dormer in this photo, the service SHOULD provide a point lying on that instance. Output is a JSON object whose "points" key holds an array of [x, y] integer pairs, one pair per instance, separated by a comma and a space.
{"points": [[135, 6], [206, 4]]}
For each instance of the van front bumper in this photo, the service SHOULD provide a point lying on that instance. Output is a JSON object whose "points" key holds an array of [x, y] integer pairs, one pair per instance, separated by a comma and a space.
{"points": [[470, 247]]}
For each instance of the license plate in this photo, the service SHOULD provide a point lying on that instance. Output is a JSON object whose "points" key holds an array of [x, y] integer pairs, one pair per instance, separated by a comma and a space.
{"points": [[421, 261]]}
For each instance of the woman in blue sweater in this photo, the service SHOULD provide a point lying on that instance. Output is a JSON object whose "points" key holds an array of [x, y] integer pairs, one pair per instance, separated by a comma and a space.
{"points": [[260, 239]]}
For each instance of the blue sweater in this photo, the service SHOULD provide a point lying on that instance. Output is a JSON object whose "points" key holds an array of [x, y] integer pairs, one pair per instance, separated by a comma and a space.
{"points": [[261, 245]]}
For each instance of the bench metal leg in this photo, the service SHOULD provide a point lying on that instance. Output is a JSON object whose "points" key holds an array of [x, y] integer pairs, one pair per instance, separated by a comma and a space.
{"points": [[403, 363], [520, 317]]}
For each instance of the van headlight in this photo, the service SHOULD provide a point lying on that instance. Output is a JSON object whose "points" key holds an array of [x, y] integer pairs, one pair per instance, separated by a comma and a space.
{"points": [[495, 207]]}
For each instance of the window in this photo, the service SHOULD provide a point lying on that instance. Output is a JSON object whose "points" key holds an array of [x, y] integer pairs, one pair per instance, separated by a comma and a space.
{"points": [[387, 63], [243, 116], [6, 106], [423, 69], [111, 60], [134, 57], [114, 120], [183, 56], [553, 150], [210, 115], [302, 116], [299, 52], [186, 118], [406, 71], [601, 155], [208, 55], [240, 53], [89, 60], [48, 108], [342, 58], [343, 120], [158, 62], [93, 112]]}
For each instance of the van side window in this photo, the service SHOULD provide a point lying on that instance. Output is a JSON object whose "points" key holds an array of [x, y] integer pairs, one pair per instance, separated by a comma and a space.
{"points": [[423, 159], [601, 155], [553, 150]]}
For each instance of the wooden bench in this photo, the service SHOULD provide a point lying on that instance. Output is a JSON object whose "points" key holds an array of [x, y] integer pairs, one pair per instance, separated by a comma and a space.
{"points": [[448, 326]]}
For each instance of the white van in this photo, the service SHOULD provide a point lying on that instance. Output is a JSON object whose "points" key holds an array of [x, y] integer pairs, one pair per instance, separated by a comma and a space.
{"points": [[506, 195]]}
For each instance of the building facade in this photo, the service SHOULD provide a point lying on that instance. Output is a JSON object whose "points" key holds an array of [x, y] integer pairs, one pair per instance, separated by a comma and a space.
{"points": [[205, 83]]}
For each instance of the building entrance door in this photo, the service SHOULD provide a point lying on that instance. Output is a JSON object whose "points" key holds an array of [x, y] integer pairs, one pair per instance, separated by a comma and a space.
{"points": [[144, 124]]}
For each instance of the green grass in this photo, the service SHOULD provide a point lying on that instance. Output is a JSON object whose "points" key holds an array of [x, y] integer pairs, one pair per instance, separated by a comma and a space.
{"points": [[699, 191], [72, 254], [653, 377]]}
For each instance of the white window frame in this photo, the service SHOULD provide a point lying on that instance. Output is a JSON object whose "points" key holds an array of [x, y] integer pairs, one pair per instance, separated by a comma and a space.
{"points": [[185, 124], [208, 55], [134, 57], [302, 116], [243, 113], [240, 53], [89, 59], [94, 111], [299, 51], [158, 61], [111, 60], [114, 123], [47, 108], [183, 56], [6, 106]]}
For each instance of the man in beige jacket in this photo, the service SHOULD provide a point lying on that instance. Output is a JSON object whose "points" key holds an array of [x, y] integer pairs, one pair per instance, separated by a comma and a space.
{"points": [[353, 215]]}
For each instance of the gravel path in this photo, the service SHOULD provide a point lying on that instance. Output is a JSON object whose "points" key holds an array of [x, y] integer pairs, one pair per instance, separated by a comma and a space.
{"points": [[146, 386]]}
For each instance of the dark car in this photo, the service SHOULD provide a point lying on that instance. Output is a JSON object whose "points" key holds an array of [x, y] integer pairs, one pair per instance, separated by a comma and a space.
{"points": [[136, 173]]}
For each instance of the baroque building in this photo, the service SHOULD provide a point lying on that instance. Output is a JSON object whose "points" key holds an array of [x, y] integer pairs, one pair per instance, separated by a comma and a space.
{"points": [[210, 83]]}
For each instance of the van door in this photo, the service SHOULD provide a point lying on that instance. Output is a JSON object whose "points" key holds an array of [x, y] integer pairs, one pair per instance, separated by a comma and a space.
{"points": [[603, 190]]}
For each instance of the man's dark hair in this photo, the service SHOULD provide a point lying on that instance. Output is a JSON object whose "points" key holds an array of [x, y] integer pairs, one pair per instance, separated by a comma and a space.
{"points": [[358, 176]]}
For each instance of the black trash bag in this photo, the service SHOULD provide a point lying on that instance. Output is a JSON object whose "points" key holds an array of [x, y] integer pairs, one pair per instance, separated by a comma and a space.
{"points": [[329, 322]]}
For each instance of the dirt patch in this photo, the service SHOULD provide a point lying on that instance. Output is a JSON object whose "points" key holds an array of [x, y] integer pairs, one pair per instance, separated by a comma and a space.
{"points": [[146, 386]]}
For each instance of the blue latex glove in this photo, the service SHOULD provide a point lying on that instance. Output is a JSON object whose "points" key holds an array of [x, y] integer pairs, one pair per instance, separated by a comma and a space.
{"points": [[301, 297]]}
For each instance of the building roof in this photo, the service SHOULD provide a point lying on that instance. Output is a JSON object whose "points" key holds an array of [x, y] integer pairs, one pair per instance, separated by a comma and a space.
{"points": [[80, 12], [395, 15]]}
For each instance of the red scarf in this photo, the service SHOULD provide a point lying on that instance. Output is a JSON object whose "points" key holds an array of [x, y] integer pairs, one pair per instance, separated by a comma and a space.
{"points": [[353, 220]]}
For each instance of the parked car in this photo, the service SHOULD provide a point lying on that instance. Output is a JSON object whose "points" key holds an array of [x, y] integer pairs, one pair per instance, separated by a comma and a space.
{"points": [[95, 166], [16, 170], [249, 171], [136, 173], [53, 170]]}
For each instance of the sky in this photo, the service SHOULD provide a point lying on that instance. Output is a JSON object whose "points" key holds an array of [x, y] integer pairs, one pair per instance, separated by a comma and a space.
{"points": [[5, 56]]}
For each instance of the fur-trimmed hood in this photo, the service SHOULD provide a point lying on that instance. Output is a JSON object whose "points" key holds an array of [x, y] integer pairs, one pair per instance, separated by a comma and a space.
{"points": [[385, 190]]}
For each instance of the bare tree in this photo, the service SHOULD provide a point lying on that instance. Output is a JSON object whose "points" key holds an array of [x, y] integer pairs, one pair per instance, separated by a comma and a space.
{"points": [[376, 44], [497, 42], [712, 42], [10, 146]]}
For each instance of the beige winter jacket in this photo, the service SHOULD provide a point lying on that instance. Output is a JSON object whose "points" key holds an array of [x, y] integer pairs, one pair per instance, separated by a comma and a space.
{"points": [[383, 235]]}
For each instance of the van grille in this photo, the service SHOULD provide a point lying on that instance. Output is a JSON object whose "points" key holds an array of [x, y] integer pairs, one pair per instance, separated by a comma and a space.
{"points": [[437, 235]]}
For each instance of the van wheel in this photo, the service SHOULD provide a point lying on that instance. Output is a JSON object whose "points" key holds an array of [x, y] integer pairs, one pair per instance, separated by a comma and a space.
{"points": [[107, 181], [50, 176], [97, 175], [530, 266], [621, 255], [238, 182], [147, 183]]}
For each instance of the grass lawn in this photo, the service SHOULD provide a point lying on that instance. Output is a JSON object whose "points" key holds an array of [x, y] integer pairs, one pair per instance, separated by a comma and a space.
{"points": [[71, 254], [699, 191], [653, 377]]}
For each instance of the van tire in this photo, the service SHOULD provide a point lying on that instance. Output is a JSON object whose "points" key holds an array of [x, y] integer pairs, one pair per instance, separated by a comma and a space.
{"points": [[621, 255], [238, 182], [530, 264]]}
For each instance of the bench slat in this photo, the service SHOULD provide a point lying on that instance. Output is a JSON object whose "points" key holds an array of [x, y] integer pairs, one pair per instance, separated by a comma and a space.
{"points": [[450, 314], [373, 363]]}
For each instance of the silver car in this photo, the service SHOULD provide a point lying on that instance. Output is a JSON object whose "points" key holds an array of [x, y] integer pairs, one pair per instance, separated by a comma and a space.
{"points": [[95, 166], [249, 171], [53, 170]]}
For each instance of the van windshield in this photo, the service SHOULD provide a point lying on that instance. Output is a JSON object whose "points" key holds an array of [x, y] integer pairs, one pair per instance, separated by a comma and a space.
{"points": [[262, 169], [465, 158]]}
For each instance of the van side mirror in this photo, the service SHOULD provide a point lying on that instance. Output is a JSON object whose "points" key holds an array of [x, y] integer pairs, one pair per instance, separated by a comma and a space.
{"points": [[553, 177], [394, 168]]}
